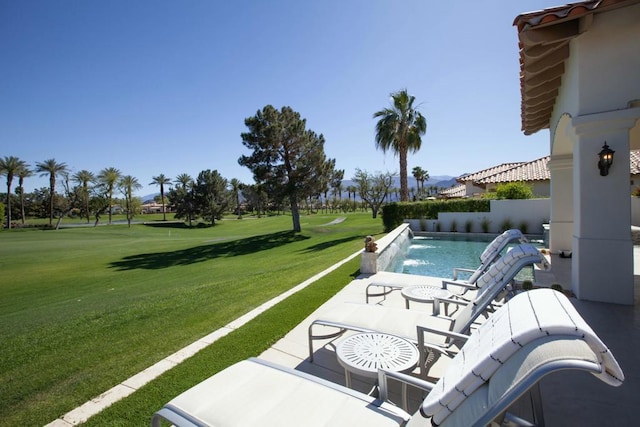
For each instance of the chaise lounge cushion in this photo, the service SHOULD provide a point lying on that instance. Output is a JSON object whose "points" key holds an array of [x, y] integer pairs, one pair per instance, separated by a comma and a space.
{"points": [[254, 392], [502, 335]]}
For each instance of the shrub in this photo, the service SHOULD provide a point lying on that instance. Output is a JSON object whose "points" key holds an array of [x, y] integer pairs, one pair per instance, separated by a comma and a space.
{"points": [[557, 287], [2, 216], [423, 224], [454, 226], [438, 228], [468, 226], [514, 190], [484, 224], [524, 227], [393, 214], [506, 224], [527, 285], [635, 192]]}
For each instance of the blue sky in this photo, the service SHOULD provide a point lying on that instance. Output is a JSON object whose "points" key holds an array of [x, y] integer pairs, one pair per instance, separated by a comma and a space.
{"points": [[154, 87]]}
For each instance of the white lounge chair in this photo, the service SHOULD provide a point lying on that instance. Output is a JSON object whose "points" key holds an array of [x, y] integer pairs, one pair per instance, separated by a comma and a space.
{"points": [[533, 335], [390, 281], [404, 323]]}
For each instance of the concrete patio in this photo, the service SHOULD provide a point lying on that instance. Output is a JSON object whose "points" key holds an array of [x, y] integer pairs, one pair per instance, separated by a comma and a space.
{"points": [[569, 398]]}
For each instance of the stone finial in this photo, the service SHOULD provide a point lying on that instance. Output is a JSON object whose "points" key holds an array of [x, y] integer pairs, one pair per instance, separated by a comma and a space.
{"points": [[369, 244]]}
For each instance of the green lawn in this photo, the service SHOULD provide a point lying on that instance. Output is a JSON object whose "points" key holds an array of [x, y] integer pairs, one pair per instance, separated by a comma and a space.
{"points": [[82, 309]]}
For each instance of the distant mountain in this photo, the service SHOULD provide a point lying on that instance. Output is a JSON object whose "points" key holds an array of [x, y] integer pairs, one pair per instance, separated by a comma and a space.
{"points": [[441, 181], [151, 197]]}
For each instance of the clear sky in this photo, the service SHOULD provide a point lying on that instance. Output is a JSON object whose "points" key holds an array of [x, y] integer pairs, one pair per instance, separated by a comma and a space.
{"points": [[159, 86]]}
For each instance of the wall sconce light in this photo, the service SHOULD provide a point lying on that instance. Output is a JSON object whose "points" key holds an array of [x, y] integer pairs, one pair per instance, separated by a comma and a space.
{"points": [[605, 159]]}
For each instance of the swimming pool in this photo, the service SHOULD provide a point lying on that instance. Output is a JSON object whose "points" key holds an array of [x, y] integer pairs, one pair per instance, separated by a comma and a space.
{"points": [[428, 256]]}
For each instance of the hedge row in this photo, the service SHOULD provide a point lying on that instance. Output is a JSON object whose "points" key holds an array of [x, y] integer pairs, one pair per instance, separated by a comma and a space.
{"points": [[393, 214]]}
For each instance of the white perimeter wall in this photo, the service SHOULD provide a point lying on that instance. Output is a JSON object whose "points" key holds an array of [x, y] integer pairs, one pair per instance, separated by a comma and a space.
{"points": [[534, 212]]}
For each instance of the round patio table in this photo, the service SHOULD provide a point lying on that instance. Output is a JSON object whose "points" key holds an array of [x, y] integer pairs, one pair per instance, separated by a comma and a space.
{"points": [[425, 293], [365, 353]]}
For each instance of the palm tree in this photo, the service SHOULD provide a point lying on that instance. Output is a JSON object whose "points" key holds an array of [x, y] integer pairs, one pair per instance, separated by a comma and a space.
{"points": [[183, 197], [183, 179], [10, 166], [400, 129], [352, 189], [108, 178], [23, 173], [127, 185], [83, 178], [161, 180], [421, 176], [51, 168]]}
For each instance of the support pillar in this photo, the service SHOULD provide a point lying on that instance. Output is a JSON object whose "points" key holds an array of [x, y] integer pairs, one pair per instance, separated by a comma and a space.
{"points": [[602, 264], [561, 221]]}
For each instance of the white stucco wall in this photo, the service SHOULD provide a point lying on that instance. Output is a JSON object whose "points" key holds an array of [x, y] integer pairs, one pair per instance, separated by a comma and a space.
{"points": [[601, 73], [609, 55], [600, 88], [533, 212]]}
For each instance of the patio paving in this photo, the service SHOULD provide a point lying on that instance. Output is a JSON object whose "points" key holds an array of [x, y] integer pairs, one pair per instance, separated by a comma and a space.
{"points": [[569, 398]]}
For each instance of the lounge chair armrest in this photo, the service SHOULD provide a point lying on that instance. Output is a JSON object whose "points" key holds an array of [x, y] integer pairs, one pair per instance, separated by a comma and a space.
{"points": [[450, 334], [383, 379], [460, 283], [386, 290], [462, 270], [424, 347], [453, 301]]}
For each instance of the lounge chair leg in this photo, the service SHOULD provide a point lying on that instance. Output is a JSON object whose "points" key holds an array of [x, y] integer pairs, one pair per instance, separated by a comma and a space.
{"points": [[536, 404]]}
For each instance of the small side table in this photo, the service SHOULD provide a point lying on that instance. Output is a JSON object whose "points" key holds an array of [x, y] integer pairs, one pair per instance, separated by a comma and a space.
{"points": [[425, 293], [365, 353]]}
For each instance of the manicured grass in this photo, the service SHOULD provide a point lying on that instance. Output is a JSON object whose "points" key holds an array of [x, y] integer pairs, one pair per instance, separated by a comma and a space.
{"points": [[82, 309], [248, 341]]}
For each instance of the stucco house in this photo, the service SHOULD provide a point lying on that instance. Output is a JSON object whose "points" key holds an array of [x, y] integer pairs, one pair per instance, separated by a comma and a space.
{"points": [[579, 78], [534, 173]]}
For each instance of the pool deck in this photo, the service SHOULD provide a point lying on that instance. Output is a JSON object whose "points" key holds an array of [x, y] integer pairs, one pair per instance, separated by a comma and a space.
{"points": [[569, 398]]}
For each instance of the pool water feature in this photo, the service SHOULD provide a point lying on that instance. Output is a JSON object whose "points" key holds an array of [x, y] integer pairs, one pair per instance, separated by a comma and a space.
{"points": [[428, 256]]}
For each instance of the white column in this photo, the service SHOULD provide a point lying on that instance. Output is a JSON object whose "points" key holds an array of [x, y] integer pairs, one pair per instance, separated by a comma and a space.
{"points": [[602, 265], [561, 221]]}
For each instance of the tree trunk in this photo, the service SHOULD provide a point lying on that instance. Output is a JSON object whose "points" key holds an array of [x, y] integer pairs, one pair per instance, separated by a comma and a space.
{"points": [[8, 205], [22, 205], [110, 205], [295, 214], [52, 190], [404, 190], [86, 195], [164, 211]]}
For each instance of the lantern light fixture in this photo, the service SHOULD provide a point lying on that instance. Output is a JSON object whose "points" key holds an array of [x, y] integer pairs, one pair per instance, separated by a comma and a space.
{"points": [[605, 159]]}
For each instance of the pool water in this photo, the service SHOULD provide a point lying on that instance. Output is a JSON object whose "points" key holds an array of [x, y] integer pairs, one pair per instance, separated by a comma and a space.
{"points": [[428, 256], [435, 257]]}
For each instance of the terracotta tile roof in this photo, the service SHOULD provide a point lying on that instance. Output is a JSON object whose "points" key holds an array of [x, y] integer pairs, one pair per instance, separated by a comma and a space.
{"points": [[544, 38], [459, 190], [486, 172], [535, 170], [635, 162]]}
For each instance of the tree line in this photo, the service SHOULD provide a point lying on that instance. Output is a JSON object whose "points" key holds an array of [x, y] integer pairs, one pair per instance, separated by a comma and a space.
{"points": [[287, 160]]}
